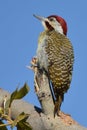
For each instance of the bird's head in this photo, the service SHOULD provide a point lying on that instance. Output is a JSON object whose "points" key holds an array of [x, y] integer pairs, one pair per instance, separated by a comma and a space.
{"points": [[54, 22]]}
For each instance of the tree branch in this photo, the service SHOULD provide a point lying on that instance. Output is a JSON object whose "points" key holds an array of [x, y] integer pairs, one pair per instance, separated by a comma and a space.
{"points": [[43, 92], [37, 119]]}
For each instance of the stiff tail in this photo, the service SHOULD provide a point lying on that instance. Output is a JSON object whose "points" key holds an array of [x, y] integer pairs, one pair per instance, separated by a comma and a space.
{"points": [[58, 102]]}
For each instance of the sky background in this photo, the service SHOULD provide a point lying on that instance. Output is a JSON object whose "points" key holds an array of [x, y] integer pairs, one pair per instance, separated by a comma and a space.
{"points": [[19, 32]]}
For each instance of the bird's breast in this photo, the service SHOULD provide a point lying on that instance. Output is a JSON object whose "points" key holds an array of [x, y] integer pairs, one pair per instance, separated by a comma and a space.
{"points": [[41, 52]]}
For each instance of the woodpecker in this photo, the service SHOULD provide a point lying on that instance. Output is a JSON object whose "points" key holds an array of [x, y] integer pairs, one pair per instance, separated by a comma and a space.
{"points": [[55, 55]]}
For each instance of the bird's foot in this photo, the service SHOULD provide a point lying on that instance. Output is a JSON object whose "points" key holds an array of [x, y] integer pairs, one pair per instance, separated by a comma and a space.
{"points": [[33, 63]]}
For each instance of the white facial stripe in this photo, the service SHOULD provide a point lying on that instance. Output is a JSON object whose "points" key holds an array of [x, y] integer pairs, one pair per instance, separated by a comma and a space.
{"points": [[55, 24], [58, 28]]}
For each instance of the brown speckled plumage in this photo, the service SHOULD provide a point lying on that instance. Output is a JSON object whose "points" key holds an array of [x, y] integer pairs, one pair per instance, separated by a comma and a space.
{"points": [[55, 55]]}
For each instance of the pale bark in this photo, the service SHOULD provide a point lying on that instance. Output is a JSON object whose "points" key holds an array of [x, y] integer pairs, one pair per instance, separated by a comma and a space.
{"points": [[40, 120]]}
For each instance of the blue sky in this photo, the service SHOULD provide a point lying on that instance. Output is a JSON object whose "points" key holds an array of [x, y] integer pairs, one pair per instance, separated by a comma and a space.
{"points": [[19, 32]]}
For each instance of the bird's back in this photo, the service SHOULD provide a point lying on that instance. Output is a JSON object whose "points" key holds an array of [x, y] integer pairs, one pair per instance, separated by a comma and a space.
{"points": [[60, 59]]}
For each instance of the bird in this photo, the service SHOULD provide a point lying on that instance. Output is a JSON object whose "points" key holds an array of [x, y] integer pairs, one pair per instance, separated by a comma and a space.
{"points": [[55, 56]]}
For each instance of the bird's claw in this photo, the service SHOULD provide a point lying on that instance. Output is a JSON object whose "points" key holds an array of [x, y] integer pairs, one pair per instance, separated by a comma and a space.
{"points": [[34, 61], [34, 65]]}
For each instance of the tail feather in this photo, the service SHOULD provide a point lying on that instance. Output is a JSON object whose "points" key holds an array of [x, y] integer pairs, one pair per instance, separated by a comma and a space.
{"points": [[58, 102]]}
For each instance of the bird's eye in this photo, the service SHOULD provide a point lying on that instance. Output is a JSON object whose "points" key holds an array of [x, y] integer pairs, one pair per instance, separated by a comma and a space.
{"points": [[51, 19]]}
